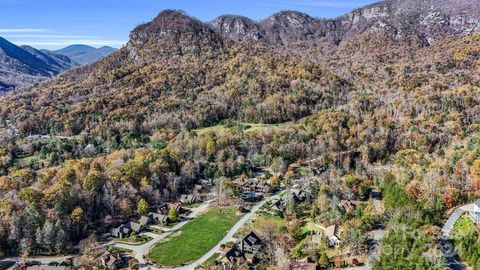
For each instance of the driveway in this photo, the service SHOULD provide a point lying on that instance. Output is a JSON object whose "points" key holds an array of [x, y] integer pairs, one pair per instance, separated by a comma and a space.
{"points": [[377, 237]]}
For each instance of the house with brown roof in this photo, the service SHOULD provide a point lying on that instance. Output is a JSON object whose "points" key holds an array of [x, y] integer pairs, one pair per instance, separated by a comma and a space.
{"points": [[232, 257], [303, 264], [347, 206], [111, 260]]}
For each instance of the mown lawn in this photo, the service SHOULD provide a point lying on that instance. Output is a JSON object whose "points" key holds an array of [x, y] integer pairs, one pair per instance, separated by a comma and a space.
{"points": [[463, 227], [197, 237]]}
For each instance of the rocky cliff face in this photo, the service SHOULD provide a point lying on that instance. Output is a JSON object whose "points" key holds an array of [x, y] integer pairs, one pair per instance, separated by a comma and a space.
{"points": [[172, 33], [428, 19]]}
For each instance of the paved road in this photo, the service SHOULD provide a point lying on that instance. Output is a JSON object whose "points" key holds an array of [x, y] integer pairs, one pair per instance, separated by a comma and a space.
{"points": [[445, 245], [377, 237], [42, 260], [141, 250]]}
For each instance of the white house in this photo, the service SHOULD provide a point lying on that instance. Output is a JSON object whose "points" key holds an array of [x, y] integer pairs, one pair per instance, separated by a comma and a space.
{"points": [[332, 233], [474, 211]]}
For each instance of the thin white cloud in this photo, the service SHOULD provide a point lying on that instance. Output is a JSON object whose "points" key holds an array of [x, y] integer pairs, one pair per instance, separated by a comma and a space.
{"points": [[67, 42], [23, 30], [47, 36]]}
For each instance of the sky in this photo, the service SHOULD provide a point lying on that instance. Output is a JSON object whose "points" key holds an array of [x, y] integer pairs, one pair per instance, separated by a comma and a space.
{"points": [[54, 24]]}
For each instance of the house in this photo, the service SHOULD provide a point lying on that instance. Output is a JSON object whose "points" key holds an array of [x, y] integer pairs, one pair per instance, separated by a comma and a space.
{"points": [[474, 211], [332, 233], [347, 206], [232, 257], [188, 199], [252, 185], [159, 218], [277, 206], [111, 260], [250, 243], [296, 195], [136, 227], [251, 197], [146, 220], [123, 231], [165, 208], [303, 264]]}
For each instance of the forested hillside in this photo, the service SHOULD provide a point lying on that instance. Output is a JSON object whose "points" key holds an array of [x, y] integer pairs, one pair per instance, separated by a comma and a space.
{"points": [[373, 94]]}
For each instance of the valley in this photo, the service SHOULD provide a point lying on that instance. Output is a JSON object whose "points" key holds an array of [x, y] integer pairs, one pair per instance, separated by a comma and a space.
{"points": [[289, 142]]}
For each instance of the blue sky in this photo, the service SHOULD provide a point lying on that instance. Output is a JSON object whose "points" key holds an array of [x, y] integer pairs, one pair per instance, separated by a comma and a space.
{"points": [[55, 24]]}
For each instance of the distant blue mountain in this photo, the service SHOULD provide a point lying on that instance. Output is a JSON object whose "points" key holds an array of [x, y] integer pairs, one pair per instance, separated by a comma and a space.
{"points": [[84, 54], [25, 66]]}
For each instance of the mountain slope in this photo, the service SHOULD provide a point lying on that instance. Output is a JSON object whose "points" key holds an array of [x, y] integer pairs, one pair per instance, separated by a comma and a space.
{"points": [[176, 73], [58, 62], [179, 73], [23, 67], [84, 54]]}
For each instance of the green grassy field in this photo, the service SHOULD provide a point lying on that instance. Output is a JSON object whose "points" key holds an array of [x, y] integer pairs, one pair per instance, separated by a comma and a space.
{"points": [[197, 237], [246, 128], [463, 227]]}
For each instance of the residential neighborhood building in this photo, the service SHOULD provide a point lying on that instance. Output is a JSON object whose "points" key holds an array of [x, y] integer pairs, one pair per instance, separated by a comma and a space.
{"points": [[250, 243], [125, 230], [146, 220], [188, 199], [347, 206], [303, 264], [232, 257], [474, 212], [165, 208], [333, 235], [159, 218], [111, 260]]}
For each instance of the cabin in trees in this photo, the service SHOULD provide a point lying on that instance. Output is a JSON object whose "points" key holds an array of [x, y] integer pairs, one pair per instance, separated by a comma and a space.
{"points": [[297, 195], [188, 199], [333, 235], [303, 264], [277, 207], [347, 206]]}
